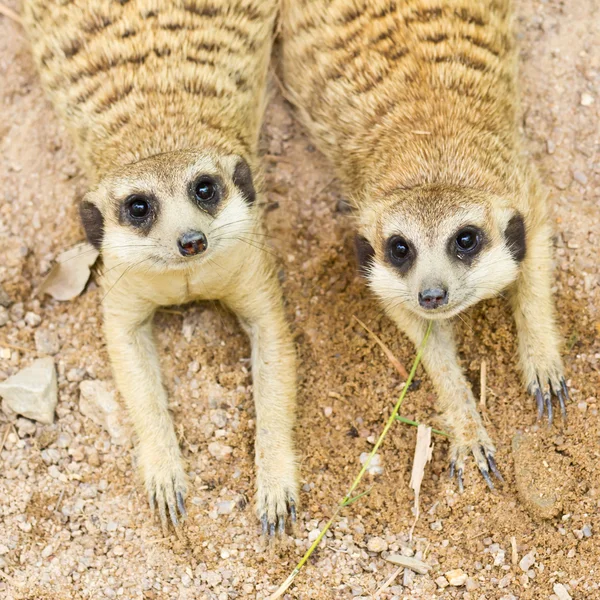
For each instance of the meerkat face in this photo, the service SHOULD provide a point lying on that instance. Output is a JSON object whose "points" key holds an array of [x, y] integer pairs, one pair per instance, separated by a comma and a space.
{"points": [[438, 250], [170, 210]]}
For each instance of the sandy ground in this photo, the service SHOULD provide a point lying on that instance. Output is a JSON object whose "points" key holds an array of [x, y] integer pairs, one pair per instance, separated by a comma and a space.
{"points": [[74, 521]]}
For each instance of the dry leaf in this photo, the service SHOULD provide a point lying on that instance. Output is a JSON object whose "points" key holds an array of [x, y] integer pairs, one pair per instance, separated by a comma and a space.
{"points": [[423, 452], [69, 276]]}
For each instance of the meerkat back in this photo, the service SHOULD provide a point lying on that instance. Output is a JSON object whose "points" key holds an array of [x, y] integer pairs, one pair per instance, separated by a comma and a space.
{"points": [[415, 104], [164, 101]]}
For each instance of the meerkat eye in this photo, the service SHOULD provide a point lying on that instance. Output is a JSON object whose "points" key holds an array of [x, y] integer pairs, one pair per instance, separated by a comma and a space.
{"points": [[138, 207], [206, 190], [468, 240], [398, 249]]}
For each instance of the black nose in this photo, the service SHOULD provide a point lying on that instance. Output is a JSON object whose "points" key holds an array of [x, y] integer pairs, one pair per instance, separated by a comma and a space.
{"points": [[192, 243], [433, 298]]}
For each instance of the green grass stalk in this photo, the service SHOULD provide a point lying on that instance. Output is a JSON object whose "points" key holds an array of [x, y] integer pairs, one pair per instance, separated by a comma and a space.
{"points": [[348, 498]]}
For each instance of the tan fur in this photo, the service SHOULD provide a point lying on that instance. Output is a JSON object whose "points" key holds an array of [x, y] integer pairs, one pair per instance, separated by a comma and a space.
{"points": [[415, 105], [155, 95]]}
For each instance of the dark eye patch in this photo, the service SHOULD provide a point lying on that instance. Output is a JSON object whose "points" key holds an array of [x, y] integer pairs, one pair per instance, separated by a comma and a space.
{"points": [[400, 253], [139, 211], [466, 244], [206, 192]]}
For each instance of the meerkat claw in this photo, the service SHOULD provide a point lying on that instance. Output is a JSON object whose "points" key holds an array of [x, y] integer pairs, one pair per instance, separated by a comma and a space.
{"points": [[494, 467], [292, 510], [548, 399], [539, 398], [181, 506], [488, 479], [459, 478]]}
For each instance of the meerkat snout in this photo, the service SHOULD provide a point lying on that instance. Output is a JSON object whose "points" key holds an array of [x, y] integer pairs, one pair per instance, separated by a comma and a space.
{"points": [[192, 243], [433, 298]]}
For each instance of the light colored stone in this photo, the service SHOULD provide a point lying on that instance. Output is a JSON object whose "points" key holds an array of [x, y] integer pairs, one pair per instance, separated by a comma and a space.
{"points": [[442, 582], [527, 561], [456, 577], [3, 549], [3, 316], [219, 451], [97, 402], [377, 544], [313, 535], [561, 591], [225, 507], [408, 561], [33, 391], [374, 467], [587, 99], [46, 342], [32, 319]]}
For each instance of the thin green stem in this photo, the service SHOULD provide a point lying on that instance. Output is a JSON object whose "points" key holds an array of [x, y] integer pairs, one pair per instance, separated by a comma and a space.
{"points": [[348, 498], [416, 424]]}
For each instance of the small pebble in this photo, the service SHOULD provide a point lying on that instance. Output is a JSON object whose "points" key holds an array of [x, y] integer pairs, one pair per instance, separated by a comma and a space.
{"points": [[3, 549], [587, 99], [328, 411], [587, 531], [225, 507], [219, 451], [47, 551], [561, 591], [3, 316], [32, 319], [313, 535], [527, 561], [377, 544], [456, 577], [580, 177], [442, 582]]}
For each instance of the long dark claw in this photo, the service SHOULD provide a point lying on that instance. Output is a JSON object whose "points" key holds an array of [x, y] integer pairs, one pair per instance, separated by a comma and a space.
{"points": [[281, 525], [565, 389], [293, 511], [264, 524], [271, 529], [487, 478], [561, 402], [181, 505], [461, 487], [494, 467], [163, 513], [173, 514], [452, 468], [539, 398], [548, 399], [152, 501]]}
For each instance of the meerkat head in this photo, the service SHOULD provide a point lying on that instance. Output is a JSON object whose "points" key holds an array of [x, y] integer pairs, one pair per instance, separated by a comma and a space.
{"points": [[437, 250], [170, 210]]}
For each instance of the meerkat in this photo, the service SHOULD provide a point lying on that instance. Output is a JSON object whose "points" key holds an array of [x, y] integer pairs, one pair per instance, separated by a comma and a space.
{"points": [[164, 101], [415, 104]]}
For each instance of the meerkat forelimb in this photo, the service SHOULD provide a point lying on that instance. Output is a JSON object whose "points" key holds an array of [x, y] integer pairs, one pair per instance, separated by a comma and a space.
{"points": [[164, 102], [415, 104]]}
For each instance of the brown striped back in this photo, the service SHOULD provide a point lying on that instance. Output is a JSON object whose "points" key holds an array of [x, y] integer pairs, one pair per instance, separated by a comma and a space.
{"points": [[133, 78], [398, 94]]}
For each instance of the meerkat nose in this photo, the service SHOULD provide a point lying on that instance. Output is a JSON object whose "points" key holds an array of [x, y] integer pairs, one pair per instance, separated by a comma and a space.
{"points": [[192, 243], [433, 297]]}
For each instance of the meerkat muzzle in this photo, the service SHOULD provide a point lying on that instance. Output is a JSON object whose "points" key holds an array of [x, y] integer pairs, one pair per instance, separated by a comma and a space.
{"points": [[192, 243]]}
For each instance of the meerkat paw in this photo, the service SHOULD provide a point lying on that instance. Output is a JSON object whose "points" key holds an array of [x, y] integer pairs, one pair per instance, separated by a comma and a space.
{"points": [[545, 384], [480, 446], [276, 500], [165, 482]]}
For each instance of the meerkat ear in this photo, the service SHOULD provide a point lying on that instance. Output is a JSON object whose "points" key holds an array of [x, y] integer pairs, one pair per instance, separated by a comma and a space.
{"points": [[242, 177], [93, 223], [514, 234], [364, 254]]}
